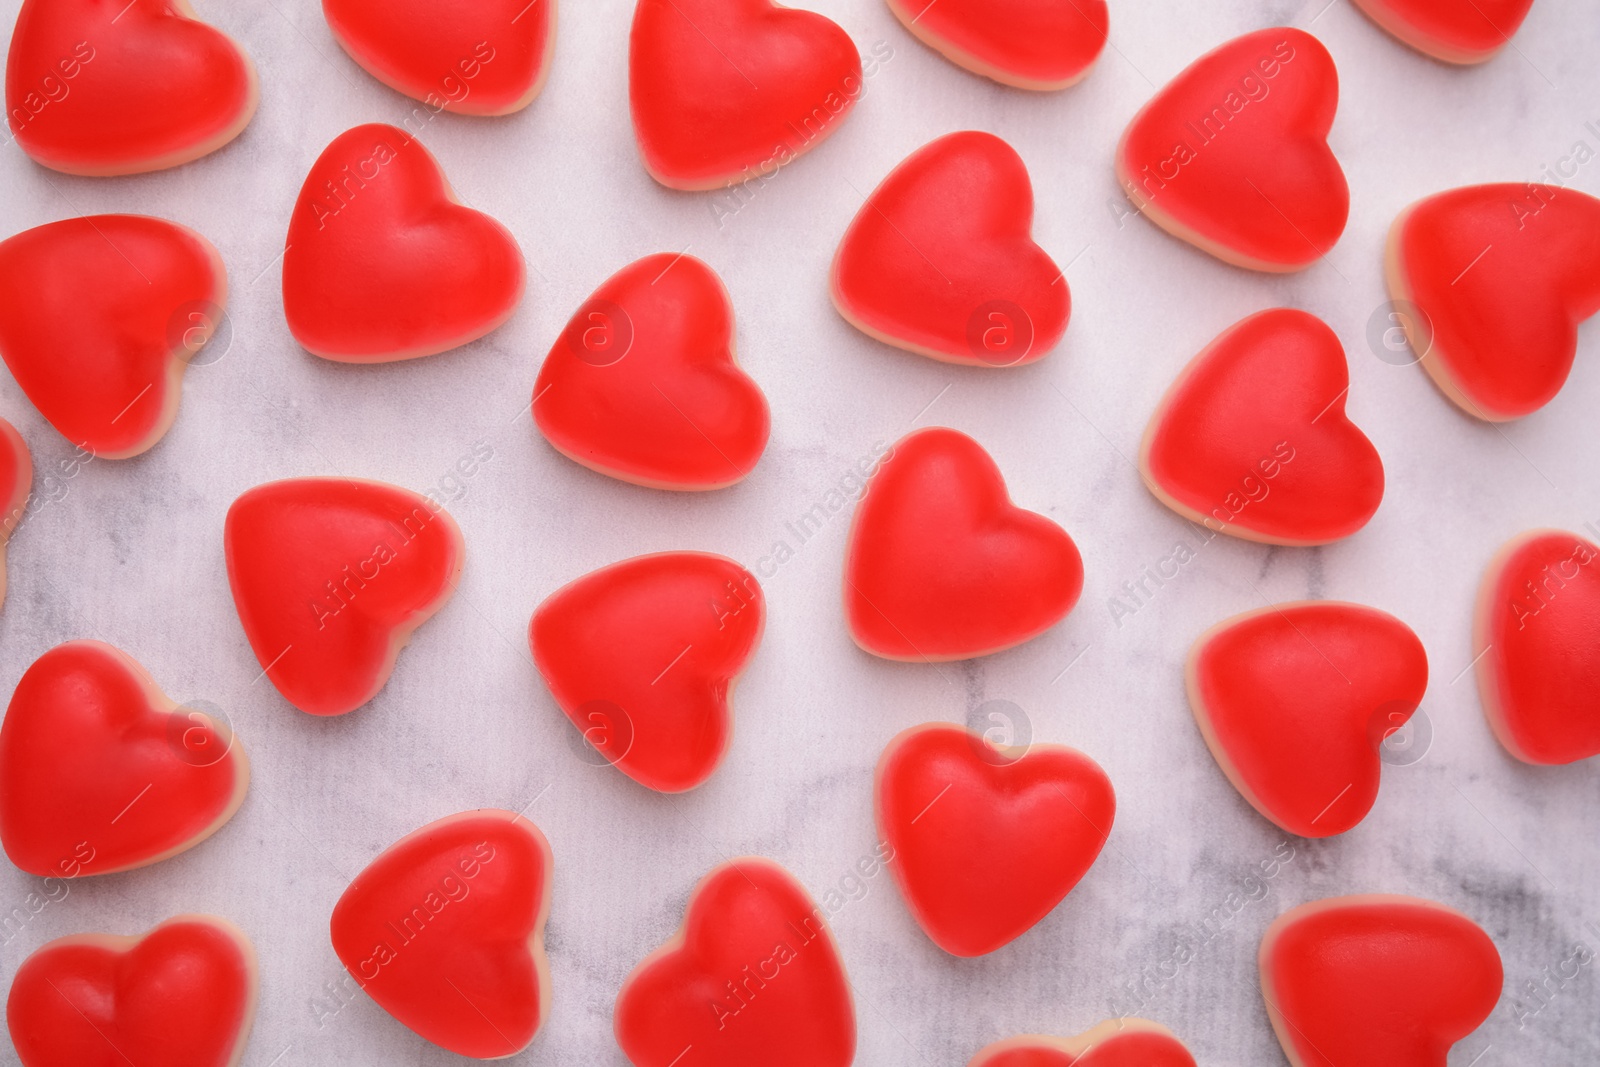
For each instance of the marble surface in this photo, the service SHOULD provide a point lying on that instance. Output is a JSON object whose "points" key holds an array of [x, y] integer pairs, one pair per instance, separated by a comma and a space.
{"points": [[131, 552]]}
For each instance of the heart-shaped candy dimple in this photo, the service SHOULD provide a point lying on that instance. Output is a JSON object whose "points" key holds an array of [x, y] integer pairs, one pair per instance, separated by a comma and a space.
{"points": [[1448, 30], [1490, 283], [183, 995], [643, 385], [1232, 155], [642, 656], [1252, 438], [16, 484], [1030, 44], [99, 316], [1537, 638], [727, 90], [1294, 701], [1120, 1042], [445, 930], [1380, 980], [987, 840], [382, 262], [478, 57], [101, 772], [941, 564], [940, 260], [103, 87], [752, 976], [330, 577]]}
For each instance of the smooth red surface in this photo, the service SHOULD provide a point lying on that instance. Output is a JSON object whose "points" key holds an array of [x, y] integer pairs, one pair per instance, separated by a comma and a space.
{"points": [[642, 656], [1448, 29], [1032, 44], [16, 483], [445, 930], [1538, 629], [1252, 438], [1116, 1043], [99, 316], [643, 384], [1232, 154], [478, 57], [987, 841], [1376, 981], [1294, 701], [183, 995], [383, 263], [753, 976], [724, 90], [941, 259], [100, 772], [1502, 276], [122, 86], [941, 564], [330, 576]]}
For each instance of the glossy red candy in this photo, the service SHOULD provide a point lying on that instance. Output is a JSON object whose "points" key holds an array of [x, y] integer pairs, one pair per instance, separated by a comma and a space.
{"points": [[101, 772], [942, 566], [183, 995], [1449, 30], [1120, 1042], [753, 976], [103, 87], [1294, 701], [330, 577], [726, 90], [940, 260], [643, 383], [99, 317], [1031, 44], [1536, 632], [445, 930], [1232, 156], [16, 484], [1490, 283], [1376, 980], [987, 840], [482, 57], [382, 262], [1252, 438], [642, 656]]}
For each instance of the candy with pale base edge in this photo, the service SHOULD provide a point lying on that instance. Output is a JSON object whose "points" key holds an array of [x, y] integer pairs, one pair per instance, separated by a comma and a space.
{"points": [[1232, 155], [1536, 632], [1294, 700], [383, 262], [16, 484], [1121, 1042], [445, 930], [752, 976], [726, 90], [1029, 44], [101, 772], [330, 576], [644, 384], [100, 87], [942, 566], [487, 57], [1449, 30], [987, 841], [643, 655], [941, 261], [99, 317], [1252, 438], [1493, 281], [182, 995], [1376, 981]]}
